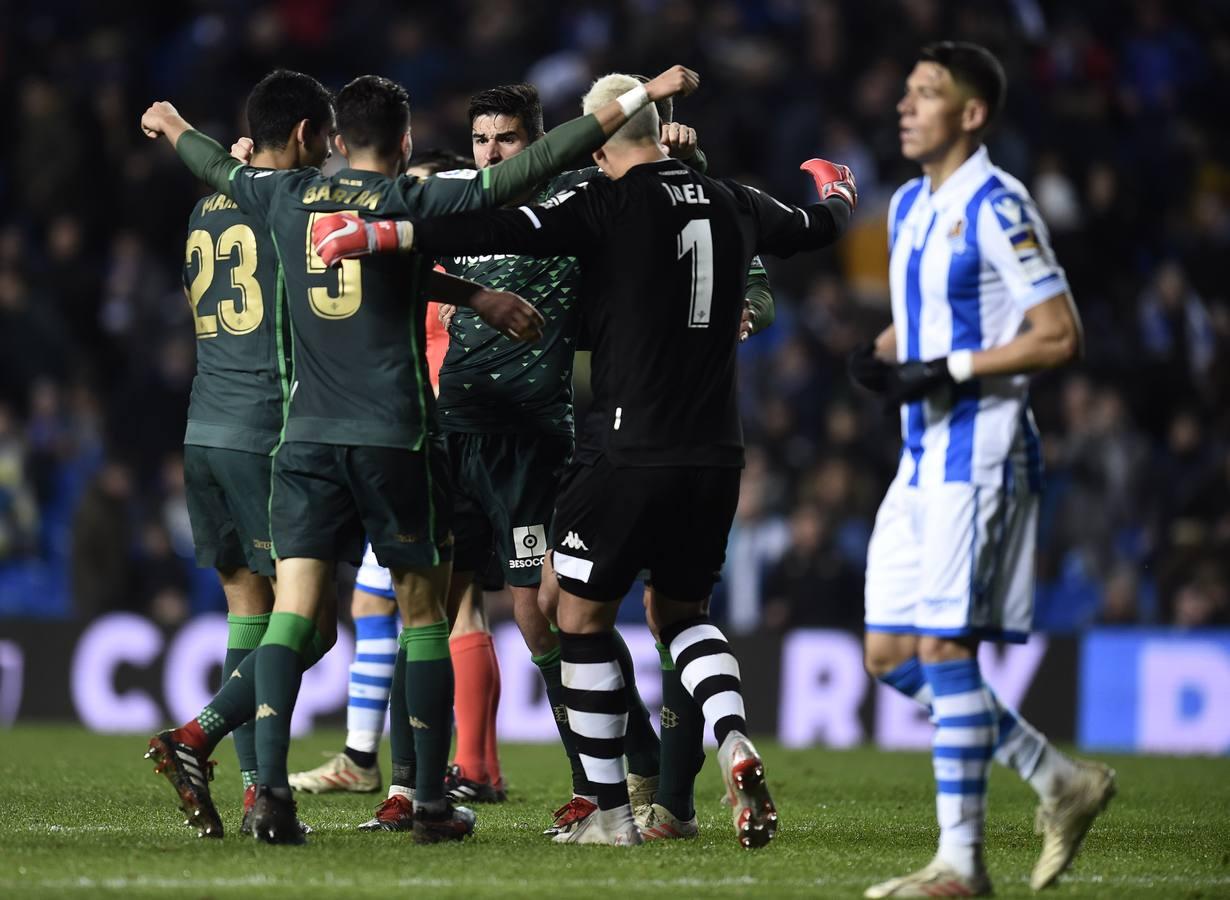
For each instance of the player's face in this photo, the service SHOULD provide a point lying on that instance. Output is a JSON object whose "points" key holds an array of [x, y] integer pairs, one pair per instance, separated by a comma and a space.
{"points": [[497, 137], [930, 113]]}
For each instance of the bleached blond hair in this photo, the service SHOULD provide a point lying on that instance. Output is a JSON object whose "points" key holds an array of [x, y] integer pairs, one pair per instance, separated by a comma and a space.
{"points": [[643, 126]]}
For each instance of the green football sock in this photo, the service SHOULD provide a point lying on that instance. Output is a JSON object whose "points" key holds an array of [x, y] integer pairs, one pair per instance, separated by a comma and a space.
{"points": [[549, 665], [279, 672], [641, 744], [316, 648], [244, 635], [683, 749], [232, 706], [401, 735], [429, 705]]}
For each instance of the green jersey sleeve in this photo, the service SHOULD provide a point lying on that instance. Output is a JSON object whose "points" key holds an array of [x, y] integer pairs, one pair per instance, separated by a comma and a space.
{"points": [[466, 189], [206, 159], [759, 296]]}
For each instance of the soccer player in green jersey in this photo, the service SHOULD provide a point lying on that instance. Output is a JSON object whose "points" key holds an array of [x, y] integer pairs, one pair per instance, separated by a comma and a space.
{"points": [[355, 452], [235, 412]]}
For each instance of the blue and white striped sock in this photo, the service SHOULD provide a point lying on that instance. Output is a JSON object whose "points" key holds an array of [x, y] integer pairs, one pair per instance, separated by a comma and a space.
{"points": [[371, 680], [1018, 745], [908, 679], [961, 755]]}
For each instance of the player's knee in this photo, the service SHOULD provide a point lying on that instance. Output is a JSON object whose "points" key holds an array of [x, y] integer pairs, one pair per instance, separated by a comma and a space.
{"points": [[932, 650], [881, 658]]}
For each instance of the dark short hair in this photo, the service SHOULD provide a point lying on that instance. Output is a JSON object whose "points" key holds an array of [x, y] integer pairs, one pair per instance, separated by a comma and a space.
{"points": [[280, 101], [372, 114], [520, 100], [975, 68], [436, 160], [666, 106]]}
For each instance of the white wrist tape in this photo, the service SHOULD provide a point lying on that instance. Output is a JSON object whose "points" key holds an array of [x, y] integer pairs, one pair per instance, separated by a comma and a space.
{"points": [[961, 365], [405, 234], [633, 101]]}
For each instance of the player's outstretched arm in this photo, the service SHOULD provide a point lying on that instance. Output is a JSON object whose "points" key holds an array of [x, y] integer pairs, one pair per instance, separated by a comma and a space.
{"points": [[563, 145], [506, 312], [783, 230], [566, 225], [201, 154]]}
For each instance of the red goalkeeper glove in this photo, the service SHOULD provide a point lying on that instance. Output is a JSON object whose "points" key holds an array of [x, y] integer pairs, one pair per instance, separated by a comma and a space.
{"points": [[833, 180], [344, 236]]}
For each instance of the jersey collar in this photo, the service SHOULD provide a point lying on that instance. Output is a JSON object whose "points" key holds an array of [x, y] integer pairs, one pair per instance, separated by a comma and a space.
{"points": [[969, 174]]}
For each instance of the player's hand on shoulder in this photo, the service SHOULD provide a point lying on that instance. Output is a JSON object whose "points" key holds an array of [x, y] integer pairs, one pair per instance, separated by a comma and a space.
{"points": [[447, 311], [340, 236], [679, 140], [508, 314], [154, 119], [242, 149], [676, 80], [833, 180]]}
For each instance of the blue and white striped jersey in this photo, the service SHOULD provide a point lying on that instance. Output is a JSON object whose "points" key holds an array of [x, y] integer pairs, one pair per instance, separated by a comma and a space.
{"points": [[966, 262]]}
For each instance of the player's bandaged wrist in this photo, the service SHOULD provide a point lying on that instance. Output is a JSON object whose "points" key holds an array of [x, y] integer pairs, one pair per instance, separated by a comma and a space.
{"points": [[961, 365], [405, 234], [633, 101]]}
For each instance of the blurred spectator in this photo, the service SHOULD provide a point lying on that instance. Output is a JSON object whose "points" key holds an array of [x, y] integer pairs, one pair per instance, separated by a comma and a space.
{"points": [[813, 585], [102, 576], [96, 341]]}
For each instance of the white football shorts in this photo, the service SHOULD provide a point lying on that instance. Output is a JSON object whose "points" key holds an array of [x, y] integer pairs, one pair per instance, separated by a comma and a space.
{"points": [[953, 560]]}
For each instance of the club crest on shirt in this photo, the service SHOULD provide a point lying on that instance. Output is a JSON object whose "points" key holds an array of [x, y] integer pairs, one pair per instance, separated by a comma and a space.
{"points": [[956, 236]]}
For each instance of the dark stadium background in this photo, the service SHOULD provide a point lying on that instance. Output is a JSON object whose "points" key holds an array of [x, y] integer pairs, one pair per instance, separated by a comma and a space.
{"points": [[1116, 120]]}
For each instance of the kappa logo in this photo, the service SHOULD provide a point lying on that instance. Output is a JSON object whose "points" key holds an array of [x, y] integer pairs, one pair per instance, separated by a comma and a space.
{"points": [[264, 711], [529, 540], [573, 541], [418, 723]]}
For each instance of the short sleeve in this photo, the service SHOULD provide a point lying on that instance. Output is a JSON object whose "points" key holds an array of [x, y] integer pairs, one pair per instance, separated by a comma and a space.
{"points": [[1014, 241]]}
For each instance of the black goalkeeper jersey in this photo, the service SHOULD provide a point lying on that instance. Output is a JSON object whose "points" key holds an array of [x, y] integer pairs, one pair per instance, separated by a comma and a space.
{"points": [[664, 254]]}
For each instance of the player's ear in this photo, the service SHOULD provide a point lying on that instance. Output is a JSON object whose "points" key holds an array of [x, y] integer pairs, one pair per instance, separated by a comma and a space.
{"points": [[599, 157], [303, 132], [341, 145], [974, 115]]}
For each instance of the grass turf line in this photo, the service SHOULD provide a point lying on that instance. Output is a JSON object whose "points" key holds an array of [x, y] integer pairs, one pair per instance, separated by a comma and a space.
{"points": [[83, 815]]}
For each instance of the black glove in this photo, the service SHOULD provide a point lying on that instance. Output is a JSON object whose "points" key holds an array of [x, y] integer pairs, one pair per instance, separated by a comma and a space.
{"points": [[914, 380], [868, 370]]}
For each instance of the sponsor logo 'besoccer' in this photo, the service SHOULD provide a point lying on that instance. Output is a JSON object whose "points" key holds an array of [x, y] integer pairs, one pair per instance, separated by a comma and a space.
{"points": [[529, 545]]}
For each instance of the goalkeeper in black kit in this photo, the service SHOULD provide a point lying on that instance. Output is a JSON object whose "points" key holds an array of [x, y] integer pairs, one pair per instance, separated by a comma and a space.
{"points": [[664, 255]]}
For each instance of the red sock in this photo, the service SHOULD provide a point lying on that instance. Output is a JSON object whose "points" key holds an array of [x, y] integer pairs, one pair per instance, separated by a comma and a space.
{"points": [[472, 683], [491, 750]]}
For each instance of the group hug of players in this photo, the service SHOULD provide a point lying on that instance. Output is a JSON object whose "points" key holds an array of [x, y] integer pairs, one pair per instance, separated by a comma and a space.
{"points": [[314, 430]]}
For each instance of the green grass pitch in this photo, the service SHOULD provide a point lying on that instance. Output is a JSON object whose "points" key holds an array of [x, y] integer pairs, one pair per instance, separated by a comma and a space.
{"points": [[82, 815]]}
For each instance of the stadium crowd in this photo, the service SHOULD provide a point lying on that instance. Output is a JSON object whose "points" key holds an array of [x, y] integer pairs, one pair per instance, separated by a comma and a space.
{"points": [[1114, 120]]}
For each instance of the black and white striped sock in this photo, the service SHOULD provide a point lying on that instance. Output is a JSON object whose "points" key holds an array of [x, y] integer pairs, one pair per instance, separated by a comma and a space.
{"points": [[597, 711], [709, 672]]}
